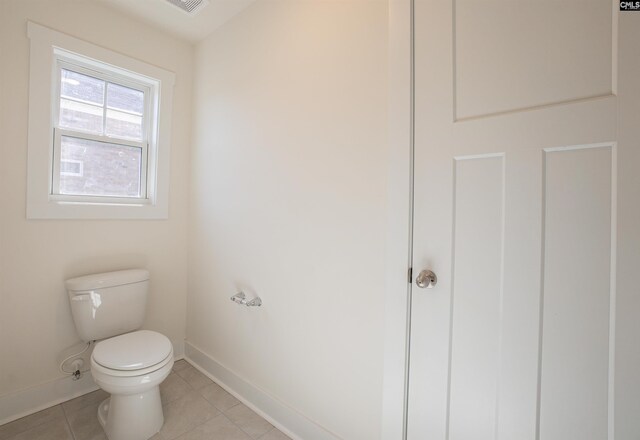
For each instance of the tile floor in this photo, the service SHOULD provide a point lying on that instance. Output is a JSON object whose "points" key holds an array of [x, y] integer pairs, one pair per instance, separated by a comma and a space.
{"points": [[195, 408]]}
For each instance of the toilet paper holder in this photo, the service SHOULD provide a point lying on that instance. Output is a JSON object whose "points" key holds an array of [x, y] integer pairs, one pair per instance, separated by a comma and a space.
{"points": [[241, 298]]}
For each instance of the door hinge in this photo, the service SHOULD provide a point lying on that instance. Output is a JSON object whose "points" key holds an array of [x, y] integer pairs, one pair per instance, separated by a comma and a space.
{"points": [[410, 275]]}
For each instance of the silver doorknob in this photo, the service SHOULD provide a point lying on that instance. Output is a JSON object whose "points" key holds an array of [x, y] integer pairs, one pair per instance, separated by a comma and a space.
{"points": [[426, 279]]}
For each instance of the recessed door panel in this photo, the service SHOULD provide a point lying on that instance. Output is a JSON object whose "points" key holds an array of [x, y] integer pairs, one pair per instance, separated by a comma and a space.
{"points": [[577, 294], [477, 295], [518, 54]]}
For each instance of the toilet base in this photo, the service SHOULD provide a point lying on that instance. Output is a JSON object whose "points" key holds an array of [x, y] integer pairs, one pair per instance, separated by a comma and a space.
{"points": [[132, 416]]}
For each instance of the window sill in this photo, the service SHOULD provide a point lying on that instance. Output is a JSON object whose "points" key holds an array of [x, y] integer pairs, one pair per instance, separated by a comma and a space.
{"points": [[64, 209]]}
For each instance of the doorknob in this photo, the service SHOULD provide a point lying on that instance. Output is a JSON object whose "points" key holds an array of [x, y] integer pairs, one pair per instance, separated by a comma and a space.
{"points": [[426, 279]]}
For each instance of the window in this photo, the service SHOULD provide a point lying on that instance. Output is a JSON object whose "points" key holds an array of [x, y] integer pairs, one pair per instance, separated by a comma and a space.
{"points": [[98, 131], [101, 127]]}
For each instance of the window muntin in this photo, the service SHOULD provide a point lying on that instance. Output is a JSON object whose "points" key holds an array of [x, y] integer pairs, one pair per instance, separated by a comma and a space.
{"points": [[102, 121]]}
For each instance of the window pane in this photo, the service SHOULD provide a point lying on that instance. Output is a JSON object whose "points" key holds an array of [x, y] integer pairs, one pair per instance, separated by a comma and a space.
{"points": [[105, 169], [81, 87], [80, 116], [125, 99], [124, 125]]}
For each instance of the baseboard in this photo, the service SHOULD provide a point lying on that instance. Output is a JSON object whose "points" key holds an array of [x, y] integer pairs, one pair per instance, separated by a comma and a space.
{"points": [[31, 400], [286, 419]]}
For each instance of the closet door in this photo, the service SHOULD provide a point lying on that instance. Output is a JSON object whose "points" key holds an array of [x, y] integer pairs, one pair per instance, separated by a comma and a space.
{"points": [[516, 186]]}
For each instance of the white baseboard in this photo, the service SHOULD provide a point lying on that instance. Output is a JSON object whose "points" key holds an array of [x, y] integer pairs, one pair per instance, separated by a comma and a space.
{"points": [[286, 419], [24, 402]]}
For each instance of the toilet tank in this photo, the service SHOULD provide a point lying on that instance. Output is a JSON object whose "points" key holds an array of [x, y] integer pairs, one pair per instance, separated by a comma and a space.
{"points": [[108, 304]]}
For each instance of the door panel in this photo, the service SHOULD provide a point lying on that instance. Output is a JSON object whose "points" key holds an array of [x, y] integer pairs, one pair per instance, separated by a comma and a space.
{"points": [[477, 292], [514, 188], [512, 55], [577, 294]]}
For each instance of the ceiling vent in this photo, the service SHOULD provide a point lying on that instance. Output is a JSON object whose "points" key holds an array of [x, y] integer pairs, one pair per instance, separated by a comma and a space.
{"points": [[190, 7]]}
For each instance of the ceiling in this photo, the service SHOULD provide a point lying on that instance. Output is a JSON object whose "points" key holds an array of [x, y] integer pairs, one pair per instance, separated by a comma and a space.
{"points": [[192, 28]]}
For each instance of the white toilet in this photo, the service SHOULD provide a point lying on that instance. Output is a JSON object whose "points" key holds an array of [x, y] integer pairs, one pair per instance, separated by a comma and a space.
{"points": [[128, 364]]}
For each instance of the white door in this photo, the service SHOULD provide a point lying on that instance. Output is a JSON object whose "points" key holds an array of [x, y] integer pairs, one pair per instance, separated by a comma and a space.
{"points": [[516, 183]]}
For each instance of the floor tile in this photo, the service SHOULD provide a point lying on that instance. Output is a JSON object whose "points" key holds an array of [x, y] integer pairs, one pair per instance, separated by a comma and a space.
{"points": [[274, 434], [218, 397], [78, 403], [54, 430], [218, 428], [84, 423], [181, 364], [193, 377], [173, 388], [11, 429], [184, 414], [248, 421]]}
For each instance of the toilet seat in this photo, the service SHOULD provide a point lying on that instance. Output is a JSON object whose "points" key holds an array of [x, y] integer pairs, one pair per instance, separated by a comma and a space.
{"points": [[132, 354]]}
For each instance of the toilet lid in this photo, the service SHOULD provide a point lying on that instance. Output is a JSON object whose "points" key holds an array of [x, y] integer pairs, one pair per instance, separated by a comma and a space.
{"points": [[132, 351]]}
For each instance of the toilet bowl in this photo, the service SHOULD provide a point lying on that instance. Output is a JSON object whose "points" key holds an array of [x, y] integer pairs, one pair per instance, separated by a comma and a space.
{"points": [[131, 367]]}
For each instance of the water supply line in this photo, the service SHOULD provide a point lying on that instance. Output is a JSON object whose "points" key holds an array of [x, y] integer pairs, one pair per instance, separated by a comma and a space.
{"points": [[77, 364]]}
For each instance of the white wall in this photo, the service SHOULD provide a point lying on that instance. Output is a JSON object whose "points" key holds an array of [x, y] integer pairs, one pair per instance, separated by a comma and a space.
{"points": [[37, 255], [288, 201]]}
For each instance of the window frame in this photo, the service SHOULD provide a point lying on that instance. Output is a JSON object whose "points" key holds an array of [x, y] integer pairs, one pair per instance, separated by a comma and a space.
{"points": [[52, 51]]}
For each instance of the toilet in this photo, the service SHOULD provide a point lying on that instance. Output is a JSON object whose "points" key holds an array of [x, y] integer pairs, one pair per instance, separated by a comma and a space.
{"points": [[128, 363]]}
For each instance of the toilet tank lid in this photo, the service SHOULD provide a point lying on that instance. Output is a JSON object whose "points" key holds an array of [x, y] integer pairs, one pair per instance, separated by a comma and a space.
{"points": [[107, 279]]}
